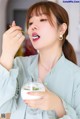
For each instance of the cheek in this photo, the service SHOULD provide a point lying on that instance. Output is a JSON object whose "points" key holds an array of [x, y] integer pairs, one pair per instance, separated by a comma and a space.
{"points": [[53, 33], [29, 31], [30, 38], [29, 34], [50, 33]]}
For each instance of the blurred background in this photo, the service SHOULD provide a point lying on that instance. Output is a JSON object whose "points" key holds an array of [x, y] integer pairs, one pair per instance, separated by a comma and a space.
{"points": [[17, 10]]}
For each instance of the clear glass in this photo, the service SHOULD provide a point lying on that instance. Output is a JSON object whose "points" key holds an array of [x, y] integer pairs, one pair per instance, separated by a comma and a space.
{"points": [[32, 86]]}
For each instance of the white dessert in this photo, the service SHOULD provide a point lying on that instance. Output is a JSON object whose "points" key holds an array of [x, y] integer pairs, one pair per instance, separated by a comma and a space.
{"points": [[31, 87]]}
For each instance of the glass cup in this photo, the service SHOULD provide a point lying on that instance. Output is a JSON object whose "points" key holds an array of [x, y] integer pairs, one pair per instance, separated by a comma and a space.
{"points": [[31, 87]]}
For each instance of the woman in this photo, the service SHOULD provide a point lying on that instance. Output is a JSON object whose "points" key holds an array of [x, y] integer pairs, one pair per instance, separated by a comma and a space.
{"points": [[55, 66]]}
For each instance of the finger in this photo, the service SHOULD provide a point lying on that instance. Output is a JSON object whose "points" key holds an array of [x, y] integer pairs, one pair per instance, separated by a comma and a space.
{"points": [[15, 33], [17, 42], [12, 29], [36, 93], [18, 36], [33, 101], [21, 39], [13, 24], [40, 104], [31, 104]]}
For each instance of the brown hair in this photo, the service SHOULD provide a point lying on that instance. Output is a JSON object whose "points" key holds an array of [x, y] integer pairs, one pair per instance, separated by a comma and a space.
{"points": [[48, 7]]}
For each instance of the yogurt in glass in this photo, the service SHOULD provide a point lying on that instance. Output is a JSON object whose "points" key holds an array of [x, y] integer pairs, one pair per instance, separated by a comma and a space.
{"points": [[31, 87]]}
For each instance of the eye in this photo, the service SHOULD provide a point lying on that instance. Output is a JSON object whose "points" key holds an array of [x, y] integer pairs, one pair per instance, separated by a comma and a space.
{"points": [[30, 23], [43, 20]]}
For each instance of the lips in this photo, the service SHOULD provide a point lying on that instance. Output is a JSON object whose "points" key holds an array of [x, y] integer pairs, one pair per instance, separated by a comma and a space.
{"points": [[35, 36]]}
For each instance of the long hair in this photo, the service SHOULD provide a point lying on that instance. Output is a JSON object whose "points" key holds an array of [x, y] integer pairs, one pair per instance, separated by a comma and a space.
{"points": [[48, 7]]}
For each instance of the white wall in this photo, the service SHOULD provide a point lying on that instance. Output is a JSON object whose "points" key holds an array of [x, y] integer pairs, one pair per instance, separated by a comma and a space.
{"points": [[73, 10], [2, 19]]}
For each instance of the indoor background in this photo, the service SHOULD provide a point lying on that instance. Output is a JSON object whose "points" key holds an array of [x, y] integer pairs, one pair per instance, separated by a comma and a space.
{"points": [[17, 10]]}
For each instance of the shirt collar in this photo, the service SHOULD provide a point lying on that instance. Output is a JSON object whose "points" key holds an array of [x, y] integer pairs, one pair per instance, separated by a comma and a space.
{"points": [[59, 64], [33, 68]]}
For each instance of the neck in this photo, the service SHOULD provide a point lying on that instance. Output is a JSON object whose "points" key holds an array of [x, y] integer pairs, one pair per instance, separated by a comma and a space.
{"points": [[48, 58]]}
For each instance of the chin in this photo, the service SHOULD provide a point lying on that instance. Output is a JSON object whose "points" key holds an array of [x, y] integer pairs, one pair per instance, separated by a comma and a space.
{"points": [[36, 47]]}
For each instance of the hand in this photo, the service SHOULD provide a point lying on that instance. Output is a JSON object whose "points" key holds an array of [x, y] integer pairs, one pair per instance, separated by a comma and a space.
{"points": [[12, 40], [48, 101]]}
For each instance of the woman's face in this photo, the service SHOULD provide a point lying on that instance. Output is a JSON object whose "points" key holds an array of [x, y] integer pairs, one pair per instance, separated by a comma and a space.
{"points": [[41, 33]]}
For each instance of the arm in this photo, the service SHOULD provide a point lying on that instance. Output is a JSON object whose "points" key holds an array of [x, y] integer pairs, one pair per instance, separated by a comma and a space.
{"points": [[8, 81], [72, 109], [73, 112], [8, 89], [12, 40]]}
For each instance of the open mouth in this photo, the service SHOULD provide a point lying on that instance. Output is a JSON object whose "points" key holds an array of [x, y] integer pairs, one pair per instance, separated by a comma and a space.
{"points": [[35, 37]]}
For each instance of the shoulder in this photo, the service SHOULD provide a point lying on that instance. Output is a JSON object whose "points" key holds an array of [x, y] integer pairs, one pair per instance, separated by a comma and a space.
{"points": [[71, 66], [73, 70], [71, 74]]}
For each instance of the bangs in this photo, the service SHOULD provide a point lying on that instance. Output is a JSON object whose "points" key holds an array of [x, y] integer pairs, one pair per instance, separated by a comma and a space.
{"points": [[38, 11]]}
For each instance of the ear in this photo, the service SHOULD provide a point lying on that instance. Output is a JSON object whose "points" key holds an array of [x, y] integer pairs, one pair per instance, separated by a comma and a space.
{"points": [[62, 28]]}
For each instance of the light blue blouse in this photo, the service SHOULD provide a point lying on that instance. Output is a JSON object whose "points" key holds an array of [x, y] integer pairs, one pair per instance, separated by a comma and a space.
{"points": [[64, 80]]}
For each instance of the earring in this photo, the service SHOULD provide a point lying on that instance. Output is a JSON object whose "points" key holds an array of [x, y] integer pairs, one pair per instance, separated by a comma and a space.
{"points": [[61, 37]]}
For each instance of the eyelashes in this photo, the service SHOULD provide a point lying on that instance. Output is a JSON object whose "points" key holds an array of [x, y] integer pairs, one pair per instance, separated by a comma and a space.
{"points": [[30, 23], [41, 20]]}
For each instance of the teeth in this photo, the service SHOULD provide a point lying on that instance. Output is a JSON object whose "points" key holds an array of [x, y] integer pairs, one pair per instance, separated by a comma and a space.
{"points": [[34, 37]]}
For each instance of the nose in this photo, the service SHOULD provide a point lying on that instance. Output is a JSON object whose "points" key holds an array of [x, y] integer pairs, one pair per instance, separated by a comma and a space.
{"points": [[35, 26]]}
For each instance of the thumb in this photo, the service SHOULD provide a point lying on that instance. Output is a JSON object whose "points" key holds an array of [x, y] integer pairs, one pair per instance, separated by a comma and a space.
{"points": [[13, 23]]}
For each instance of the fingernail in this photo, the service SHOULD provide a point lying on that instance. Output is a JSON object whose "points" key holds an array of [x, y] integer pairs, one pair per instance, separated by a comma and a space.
{"points": [[13, 23]]}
